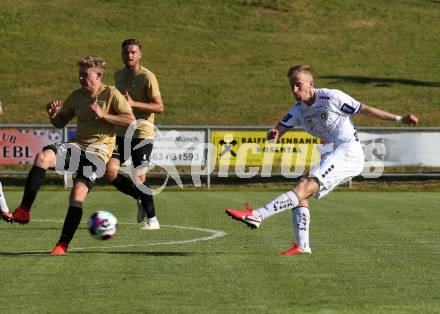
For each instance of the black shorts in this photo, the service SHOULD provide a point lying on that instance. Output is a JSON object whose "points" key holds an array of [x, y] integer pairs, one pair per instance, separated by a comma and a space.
{"points": [[139, 156], [63, 152]]}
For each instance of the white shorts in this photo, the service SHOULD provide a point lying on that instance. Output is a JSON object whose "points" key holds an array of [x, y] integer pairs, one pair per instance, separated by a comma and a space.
{"points": [[338, 166]]}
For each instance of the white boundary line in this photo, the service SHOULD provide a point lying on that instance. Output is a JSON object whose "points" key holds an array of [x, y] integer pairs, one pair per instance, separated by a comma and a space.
{"points": [[214, 235]]}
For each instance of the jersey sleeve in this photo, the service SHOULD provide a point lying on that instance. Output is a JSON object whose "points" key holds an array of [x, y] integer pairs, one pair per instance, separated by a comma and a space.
{"points": [[290, 119], [68, 109], [346, 103], [152, 85]]}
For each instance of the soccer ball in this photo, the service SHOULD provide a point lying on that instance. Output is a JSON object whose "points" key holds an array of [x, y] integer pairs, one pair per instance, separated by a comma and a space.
{"points": [[102, 225]]}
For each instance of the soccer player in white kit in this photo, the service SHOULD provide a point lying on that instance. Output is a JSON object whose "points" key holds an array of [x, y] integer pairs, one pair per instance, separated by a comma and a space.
{"points": [[326, 114]]}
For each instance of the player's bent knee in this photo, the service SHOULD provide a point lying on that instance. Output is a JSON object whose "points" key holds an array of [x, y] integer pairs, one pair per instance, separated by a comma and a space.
{"points": [[306, 187], [112, 170], [45, 159], [313, 183]]}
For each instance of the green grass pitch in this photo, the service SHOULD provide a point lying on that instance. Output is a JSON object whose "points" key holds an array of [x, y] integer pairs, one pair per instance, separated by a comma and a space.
{"points": [[373, 252], [224, 62]]}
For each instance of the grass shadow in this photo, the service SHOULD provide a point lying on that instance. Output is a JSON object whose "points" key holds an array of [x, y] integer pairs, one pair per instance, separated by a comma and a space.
{"points": [[140, 253], [100, 252], [23, 253], [378, 81], [40, 228]]}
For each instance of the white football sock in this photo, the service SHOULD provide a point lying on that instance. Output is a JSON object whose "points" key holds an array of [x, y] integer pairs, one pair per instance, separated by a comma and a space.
{"points": [[283, 202], [301, 224], [3, 206]]}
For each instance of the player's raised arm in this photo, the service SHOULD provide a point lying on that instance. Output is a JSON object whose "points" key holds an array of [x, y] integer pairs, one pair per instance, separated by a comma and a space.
{"points": [[53, 109], [377, 113]]}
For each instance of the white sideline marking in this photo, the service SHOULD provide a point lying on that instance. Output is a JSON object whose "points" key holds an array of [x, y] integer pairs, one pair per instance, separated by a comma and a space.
{"points": [[214, 235]]}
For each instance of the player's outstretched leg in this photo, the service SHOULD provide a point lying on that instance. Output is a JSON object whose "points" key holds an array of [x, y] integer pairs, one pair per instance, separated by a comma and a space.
{"points": [[34, 181], [254, 217]]}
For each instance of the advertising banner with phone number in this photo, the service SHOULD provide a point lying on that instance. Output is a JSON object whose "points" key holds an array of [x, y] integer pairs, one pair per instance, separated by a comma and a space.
{"points": [[180, 148]]}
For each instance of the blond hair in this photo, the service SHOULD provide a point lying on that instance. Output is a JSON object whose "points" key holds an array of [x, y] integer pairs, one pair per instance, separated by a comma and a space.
{"points": [[97, 63], [298, 69]]}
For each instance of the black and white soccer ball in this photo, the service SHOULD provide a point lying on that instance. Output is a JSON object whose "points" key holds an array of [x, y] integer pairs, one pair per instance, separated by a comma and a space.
{"points": [[102, 225]]}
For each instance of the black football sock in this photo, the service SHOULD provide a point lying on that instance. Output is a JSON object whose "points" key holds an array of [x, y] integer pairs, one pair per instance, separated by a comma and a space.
{"points": [[34, 181], [147, 203], [71, 223], [125, 185]]}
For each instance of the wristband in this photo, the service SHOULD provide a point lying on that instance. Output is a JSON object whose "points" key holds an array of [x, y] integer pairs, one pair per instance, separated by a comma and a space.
{"points": [[398, 118]]}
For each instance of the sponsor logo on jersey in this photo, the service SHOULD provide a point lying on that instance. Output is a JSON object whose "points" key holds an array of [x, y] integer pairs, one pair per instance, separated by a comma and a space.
{"points": [[348, 109], [324, 97], [323, 115]]}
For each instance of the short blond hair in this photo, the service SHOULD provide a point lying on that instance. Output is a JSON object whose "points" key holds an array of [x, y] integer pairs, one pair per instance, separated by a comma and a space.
{"points": [[298, 69], [94, 62]]}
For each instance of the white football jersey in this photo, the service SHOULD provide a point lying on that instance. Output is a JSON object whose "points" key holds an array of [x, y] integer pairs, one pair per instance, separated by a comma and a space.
{"points": [[328, 118]]}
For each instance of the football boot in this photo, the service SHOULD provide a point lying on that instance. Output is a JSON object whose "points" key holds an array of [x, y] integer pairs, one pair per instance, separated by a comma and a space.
{"points": [[7, 216], [21, 215], [60, 249], [295, 249], [245, 216]]}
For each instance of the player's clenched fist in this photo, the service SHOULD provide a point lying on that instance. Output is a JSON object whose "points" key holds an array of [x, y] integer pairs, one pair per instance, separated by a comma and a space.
{"points": [[272, 135], [96, 109], [410, 119], [53, 108]]}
